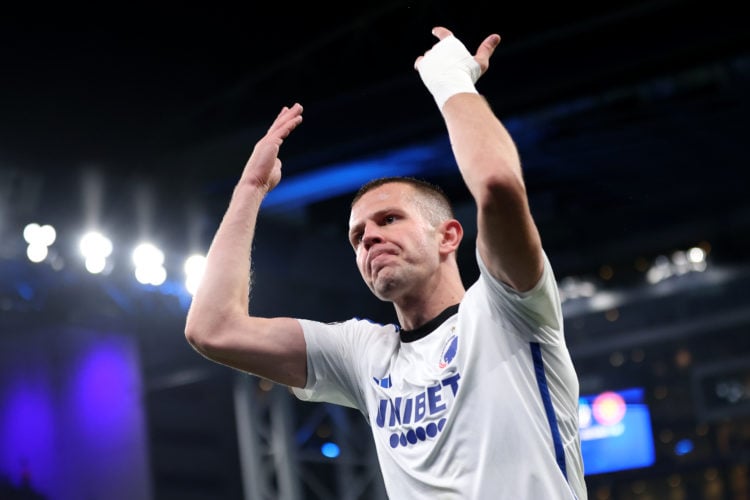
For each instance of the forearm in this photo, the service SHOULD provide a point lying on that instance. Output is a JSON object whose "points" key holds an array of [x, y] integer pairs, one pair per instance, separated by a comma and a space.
{"points": [[484, 150], [225, 287], [224, 291], [489, 163]]}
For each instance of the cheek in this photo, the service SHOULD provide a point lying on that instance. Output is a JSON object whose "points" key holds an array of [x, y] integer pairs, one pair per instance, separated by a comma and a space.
{"points": [[426, 249], [360, 258], [419, 240]]}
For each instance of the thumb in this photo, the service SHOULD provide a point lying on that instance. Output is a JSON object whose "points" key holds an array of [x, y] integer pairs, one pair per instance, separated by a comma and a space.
{"points": [[487, 48]]}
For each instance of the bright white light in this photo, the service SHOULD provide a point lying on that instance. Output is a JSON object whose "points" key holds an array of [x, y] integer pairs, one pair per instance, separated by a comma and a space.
{"points": [[605, 300], [96, 264], [147, 255], [95, 247], [195, 265], [696, 255], [95, 244], [30, 232], [39, 238], [36, 252], [148, 260], [681, 262], [574, 288], [154, 275], [584, 414], [47, 235], [159, 276], [660, 270], [42, 235]]}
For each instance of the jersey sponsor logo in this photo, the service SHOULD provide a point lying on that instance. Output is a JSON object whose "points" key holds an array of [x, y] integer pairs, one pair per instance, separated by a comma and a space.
{"points": [[415, 418], [384, 382]]}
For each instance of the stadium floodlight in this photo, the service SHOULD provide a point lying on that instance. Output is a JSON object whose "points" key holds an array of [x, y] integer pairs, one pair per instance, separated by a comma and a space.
{"points": [[149, 268], [194, 267], [36, 252], [95, 248], [39, 239], [34, 234]]}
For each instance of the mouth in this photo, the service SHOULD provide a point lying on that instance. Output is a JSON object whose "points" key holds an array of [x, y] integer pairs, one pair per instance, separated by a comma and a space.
{"points": [[377, 260]]}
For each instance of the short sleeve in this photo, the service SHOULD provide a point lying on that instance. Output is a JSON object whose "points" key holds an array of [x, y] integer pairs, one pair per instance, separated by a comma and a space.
{"points": [[536, 312], [340, 357]]}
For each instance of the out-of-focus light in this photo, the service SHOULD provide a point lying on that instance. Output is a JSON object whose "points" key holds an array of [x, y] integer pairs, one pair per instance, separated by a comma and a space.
{"points": [[683, 447], [681, 262], [697, 258], [660, 270], [609, 408], [195, 265], [36, 252], [151, 275], [148, 260], [95, 264], [30, 232], [147, 255], [730, 390], [696, 254], [330, 450], [95, 247], [584, 414], [39, 239], [572, 287], [95, 244], [603, 300], [34, 234]]}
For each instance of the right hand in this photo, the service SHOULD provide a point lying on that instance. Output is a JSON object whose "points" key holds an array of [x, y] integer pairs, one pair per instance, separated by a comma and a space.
{"points": [[263, 169]]}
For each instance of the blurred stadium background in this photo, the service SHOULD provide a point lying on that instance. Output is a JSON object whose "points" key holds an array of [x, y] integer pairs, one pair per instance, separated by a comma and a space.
{"points": [[133, 123]]}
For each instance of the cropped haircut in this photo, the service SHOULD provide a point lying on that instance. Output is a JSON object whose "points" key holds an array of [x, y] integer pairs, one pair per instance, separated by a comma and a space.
{"points": [[432, 201]]}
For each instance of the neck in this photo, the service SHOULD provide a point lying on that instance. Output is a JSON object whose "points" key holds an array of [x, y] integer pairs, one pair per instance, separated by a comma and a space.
{"points": [[415, 311]]}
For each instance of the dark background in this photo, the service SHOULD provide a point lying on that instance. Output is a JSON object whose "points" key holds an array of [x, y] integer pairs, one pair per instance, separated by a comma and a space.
{"points": [[629, 118], [631, 112]]}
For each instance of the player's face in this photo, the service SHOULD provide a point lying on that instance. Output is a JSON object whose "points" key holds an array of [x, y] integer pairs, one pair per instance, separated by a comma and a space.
{"points": [[396, 247]]}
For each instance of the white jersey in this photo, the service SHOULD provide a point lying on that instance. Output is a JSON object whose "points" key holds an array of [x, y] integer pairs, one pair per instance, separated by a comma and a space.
{"points": [[480, 403]]}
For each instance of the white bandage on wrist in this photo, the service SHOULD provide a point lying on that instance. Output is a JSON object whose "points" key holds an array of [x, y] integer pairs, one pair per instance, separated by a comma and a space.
{"points": [[448, 69]]}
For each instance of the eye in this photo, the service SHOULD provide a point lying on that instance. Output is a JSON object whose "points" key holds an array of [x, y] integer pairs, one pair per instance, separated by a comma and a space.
{"points": [[389, 219], [356, 238]]}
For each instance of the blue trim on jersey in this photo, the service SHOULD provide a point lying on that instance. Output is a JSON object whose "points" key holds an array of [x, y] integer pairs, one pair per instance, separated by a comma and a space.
{"points": [[541, 381]]}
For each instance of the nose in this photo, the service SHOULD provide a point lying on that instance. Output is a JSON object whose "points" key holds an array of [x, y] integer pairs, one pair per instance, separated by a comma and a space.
{"points": [[371, 235]]}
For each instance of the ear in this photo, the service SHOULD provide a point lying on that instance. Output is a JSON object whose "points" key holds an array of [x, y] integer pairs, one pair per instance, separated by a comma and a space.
{"points": [[451, 233]]}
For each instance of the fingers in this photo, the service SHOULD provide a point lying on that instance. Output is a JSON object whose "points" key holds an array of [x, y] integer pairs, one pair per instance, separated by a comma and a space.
{"points": [[487, 47], [286, 121], [440, 32], [483, 54]]}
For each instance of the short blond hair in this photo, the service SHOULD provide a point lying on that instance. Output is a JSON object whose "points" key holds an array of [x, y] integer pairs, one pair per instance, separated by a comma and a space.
{"points": [[432, 201]]}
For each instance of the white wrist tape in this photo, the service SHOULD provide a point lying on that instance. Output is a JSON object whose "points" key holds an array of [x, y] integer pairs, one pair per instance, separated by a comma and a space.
{"points": [[448, 69]]}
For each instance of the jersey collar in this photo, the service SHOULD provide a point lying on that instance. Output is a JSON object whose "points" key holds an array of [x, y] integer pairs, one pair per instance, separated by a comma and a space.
{"points": [[429, 327]]}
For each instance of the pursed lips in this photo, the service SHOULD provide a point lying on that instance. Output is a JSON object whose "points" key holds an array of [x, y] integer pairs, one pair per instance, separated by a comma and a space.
{"points": [[375, 254]]}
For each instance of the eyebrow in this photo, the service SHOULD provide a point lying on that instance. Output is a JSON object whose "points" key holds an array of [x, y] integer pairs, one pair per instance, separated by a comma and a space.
{"points": [[375, 215]]}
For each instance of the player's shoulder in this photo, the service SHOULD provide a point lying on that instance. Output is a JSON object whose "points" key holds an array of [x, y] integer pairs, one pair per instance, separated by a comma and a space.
{"points": [[372, 325]]}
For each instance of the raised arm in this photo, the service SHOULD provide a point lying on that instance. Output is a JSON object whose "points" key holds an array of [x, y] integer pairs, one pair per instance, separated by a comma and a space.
{"points": [[218, 324], [508, 240]]}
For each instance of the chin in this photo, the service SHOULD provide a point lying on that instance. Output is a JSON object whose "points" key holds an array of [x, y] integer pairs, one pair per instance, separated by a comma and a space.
{"points": [[386, 290]]}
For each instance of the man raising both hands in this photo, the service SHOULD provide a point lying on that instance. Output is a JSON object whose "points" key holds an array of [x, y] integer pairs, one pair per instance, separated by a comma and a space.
{"points": [[473, 394]]}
